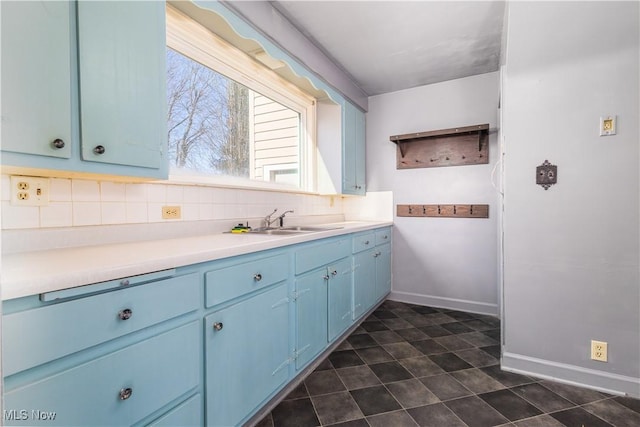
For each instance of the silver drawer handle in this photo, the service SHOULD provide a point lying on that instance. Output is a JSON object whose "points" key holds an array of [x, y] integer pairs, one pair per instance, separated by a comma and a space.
{"points": [[366, 242], [257, 277], [217, 326], [385, 237], [58, 143], [125, 314], [125, 393]]}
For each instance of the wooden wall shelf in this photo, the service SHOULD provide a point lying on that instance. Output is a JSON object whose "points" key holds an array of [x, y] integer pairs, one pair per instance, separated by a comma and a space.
{"points": [[444, 211], [461, 146]]}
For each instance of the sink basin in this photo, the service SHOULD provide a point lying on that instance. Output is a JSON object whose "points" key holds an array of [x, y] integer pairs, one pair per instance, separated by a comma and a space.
{"points": [[284, 231], [304, 228]]}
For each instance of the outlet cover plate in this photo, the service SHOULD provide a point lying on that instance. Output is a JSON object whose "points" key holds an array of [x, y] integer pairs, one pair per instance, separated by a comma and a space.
{"points": [[29, 191]]}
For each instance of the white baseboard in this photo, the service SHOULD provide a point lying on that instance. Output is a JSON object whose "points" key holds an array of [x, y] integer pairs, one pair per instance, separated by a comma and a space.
{"points": [[441, 302], [570, 374]]}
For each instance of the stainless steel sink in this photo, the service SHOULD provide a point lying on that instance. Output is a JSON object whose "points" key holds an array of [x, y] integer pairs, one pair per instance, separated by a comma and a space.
{"points": [[305, 228], [284, 231]]}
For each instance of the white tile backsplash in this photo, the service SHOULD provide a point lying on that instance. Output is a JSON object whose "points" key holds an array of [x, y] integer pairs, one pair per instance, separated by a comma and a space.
{"points": [[87, 213], [5, 188], [85, 191], [60, 190], [157, 193], [56, 214], [83, 203], [19, 216], [112, 192], [114, 212]]}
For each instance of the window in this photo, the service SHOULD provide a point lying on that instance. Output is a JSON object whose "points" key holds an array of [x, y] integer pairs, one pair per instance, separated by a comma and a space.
{"points": [[231, 118]]}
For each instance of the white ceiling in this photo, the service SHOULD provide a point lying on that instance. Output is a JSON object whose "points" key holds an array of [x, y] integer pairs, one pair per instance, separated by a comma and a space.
{"points": [[387, 46]]}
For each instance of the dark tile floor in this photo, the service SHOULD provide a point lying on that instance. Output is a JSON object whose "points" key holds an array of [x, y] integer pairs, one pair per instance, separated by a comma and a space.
{"points": [[409, 365]]}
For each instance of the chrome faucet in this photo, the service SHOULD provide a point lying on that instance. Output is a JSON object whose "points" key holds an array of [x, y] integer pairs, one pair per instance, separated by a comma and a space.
{"points": [[268, 221], [281, 217]]}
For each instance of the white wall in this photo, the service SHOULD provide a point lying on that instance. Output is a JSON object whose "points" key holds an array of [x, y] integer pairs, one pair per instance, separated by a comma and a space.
{"points": [[572, 252], [439, 261]]}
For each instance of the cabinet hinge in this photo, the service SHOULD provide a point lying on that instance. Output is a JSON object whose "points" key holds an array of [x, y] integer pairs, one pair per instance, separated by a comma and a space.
{"points": [[297, 294], [283, 301], [297, 353], [283, 365]]}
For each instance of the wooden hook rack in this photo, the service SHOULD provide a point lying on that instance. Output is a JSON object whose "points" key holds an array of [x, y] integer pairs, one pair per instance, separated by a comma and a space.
{"points": [[444, 211]]}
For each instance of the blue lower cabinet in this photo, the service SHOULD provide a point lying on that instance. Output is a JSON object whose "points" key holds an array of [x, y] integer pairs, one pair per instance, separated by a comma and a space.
{"points": [[339, 297], [120, 388], [311, 315], [383, 271], [364, 282], [247, 355]]}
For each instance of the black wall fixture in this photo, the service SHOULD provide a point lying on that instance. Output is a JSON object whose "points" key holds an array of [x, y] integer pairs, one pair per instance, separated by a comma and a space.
{"points": [[546, 174]]}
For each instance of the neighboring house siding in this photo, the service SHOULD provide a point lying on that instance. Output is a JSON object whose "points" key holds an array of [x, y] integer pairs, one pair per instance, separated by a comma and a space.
{"points": [[274, 135]]}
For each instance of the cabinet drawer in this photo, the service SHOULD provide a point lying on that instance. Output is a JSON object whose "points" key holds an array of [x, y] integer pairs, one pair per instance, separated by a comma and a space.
{"points": [[362, 242], [231, 282], [317, 255], [383, 236], [33, 337], [187, 414], [157, 371]]}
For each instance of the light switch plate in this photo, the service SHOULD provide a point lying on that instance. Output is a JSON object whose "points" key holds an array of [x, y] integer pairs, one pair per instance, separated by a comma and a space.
{"points": [[608, 125]]}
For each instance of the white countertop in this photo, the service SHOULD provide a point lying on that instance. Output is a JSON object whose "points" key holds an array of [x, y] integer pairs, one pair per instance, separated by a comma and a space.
{"points": [[31, 273]]}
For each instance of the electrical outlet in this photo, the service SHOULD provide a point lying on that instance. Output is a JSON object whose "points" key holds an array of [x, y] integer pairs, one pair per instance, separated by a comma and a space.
{"points": [[607, 125], [29, 191], [171, 212], [599, 351]]}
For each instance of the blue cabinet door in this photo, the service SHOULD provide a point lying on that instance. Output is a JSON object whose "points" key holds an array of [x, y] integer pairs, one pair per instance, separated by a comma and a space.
{"points": [[340, 303], [36, 77], [383, 271], [311, 315], [122, 52], [247, 355], [353, 150], [364, 282]]}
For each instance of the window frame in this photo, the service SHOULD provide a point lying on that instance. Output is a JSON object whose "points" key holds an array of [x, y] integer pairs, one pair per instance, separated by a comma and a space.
{"points": [[191, 39]]}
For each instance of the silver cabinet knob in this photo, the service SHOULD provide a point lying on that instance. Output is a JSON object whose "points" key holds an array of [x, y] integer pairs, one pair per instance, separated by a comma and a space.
{"points": [[58, 143], [125, 314], [125, 393], [327, 277], [125, 282], [334, 272], [217, 326], [366, 242], [99, 149], [257, 277]]}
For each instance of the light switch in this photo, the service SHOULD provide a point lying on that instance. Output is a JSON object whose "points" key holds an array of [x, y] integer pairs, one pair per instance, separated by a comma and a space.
{"points": [[607, 125]]}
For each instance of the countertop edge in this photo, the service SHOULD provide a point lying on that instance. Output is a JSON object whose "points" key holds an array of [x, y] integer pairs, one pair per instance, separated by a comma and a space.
{"points": [[31, 273]]}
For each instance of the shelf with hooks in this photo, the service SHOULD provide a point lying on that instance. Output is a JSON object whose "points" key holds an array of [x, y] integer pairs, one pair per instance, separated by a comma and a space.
{"points": [[443, 211], [468, 145]]}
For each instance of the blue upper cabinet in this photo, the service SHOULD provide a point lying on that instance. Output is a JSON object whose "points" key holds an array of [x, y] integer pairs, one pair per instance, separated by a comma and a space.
{"points": [[122, 52], [353, 150], [83, 87], [36, 78]]}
